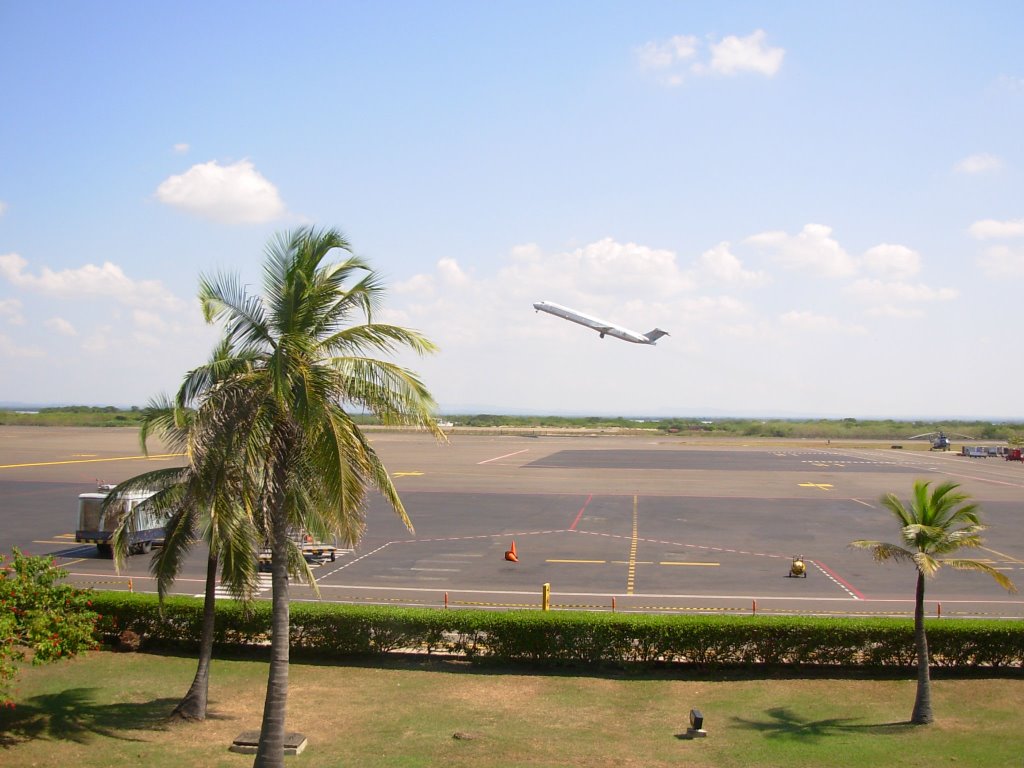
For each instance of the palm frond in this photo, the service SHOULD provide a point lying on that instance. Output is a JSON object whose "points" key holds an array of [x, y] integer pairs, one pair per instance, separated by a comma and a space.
{"points": [[883, 551], [1000, 578]]}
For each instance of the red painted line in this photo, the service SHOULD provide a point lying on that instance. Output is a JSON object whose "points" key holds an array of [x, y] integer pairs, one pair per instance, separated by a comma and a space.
{"points": [[853, 590], [580, 514]]}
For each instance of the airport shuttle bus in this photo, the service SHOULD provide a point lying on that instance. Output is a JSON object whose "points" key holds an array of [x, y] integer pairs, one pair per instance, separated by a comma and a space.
{"points": [[95, 527]]}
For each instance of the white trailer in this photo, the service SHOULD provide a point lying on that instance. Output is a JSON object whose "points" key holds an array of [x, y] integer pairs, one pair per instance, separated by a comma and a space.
{"points": [[96, 527], [311, 549]]}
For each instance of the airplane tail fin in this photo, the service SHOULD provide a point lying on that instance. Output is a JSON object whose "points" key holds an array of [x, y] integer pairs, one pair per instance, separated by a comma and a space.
{"points": [[656, 334]]}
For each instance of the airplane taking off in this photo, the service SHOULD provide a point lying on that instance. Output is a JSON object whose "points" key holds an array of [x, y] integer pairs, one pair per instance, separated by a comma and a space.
{"points": [[601, 326]]}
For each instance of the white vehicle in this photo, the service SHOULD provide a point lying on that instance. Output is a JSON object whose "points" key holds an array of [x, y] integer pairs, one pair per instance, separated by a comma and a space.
{"points": [[601, 326], [95, 527]]}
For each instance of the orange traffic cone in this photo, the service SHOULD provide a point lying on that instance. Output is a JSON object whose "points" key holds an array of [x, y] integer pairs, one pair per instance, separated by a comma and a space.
{"points": [[511, 555]]}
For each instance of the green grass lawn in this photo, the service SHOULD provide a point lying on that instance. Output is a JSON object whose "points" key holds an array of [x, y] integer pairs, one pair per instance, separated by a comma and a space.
{"points": [[111, 709]]}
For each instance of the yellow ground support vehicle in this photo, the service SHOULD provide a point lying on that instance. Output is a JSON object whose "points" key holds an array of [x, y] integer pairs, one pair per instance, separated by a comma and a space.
{"points": [[798, 568]]}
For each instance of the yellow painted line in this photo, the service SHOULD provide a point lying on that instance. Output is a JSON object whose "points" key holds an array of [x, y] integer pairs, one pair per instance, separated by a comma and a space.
{"points": [[91, 461], [638, 562], [64, 536], [820, 486], [62, 543], [631, 576], [669, 562], [407, 474], [1010, 558], [575, 561], [72, 562]]}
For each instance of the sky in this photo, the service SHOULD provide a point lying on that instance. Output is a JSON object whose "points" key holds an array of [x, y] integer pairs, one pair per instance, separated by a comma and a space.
{"points": [[822, 203]]}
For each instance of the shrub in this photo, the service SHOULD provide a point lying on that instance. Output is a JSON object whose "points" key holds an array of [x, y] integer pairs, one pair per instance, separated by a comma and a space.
{"points": [[39, 617], [330, 630]]}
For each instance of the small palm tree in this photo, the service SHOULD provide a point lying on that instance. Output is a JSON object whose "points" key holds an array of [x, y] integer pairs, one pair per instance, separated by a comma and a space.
{"points": [[298, 356], [936, 524], [209, 499]]}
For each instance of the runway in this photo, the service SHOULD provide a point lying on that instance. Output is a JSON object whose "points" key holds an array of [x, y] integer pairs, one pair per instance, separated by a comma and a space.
{"points": [[652, 524]]}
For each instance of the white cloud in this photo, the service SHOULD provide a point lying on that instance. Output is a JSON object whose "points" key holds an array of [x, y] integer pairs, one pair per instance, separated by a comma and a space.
{"points": [[980, 163], [893, 262], [897, 293], [11, 309], [451, 273], [231, 194], [61, 326], [181, 148], [803, 320], [1002, 261], [603, 268], [99, 341], [898, 313], [719, 263], [1012, 83], [658, 56], [149, 320], [108, 280], [990, 229], [679, 56], [812, 250], [734, 55], [8, 348]]}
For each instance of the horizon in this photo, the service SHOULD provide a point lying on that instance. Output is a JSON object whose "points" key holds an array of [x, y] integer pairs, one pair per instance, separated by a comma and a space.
{"points": [[638, 417]]}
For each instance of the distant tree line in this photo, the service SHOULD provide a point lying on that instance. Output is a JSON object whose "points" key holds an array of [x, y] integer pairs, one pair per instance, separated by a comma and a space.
{"points": [[848, 428]]}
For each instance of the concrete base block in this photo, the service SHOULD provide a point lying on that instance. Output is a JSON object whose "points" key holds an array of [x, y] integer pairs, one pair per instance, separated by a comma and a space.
{"points": [[247, 742]]}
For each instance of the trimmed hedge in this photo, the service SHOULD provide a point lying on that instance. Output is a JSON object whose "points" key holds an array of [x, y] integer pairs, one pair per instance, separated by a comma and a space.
{"points": [[331, 630]]}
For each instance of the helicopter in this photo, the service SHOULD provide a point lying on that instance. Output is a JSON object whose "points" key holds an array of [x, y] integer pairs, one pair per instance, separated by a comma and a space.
{"points": [[940, 441]]}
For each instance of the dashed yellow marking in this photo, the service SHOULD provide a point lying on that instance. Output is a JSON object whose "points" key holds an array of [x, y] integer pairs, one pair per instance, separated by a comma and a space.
{"points": [[631, 576]]}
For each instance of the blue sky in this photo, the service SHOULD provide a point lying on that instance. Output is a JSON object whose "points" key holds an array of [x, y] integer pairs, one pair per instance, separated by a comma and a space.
{"points": [[823, 203]]}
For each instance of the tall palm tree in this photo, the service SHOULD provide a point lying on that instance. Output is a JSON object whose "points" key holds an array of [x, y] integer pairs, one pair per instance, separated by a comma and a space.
{"points": [[306, 346], [934, 525]]}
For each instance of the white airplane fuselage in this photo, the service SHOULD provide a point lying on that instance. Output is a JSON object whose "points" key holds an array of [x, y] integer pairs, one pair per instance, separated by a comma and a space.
{"points": [[601, 326]]}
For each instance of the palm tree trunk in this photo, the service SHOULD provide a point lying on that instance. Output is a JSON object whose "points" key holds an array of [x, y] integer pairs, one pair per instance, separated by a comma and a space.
{"points": [[193, 706], [922, 714], [270, 753]]}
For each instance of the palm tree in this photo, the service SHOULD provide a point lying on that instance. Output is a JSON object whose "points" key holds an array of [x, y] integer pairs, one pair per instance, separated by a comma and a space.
{"points": [[298, 363], [936, 524], [210, 499]]}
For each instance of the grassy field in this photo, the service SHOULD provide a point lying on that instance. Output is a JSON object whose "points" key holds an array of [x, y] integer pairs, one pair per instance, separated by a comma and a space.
{"points": [[111, 709]]}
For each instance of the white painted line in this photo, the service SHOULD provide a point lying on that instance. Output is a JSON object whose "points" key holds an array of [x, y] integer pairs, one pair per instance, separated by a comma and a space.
{"points": [[498, 458], [438, 570]]}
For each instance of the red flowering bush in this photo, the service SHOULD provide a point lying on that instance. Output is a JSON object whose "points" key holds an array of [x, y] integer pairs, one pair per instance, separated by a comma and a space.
{"points": [[39, 616]]}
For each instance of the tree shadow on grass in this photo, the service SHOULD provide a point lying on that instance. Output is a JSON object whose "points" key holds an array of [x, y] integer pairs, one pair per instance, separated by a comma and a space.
{"points": [[73, 715], [783, 723]]}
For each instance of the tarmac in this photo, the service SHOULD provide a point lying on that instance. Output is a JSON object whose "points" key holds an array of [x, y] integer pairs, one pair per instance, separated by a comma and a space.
{"points": [[657, 523]]}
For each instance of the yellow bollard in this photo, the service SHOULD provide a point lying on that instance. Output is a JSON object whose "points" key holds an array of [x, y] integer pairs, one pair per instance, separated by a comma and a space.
{"points": [[545, 603]]}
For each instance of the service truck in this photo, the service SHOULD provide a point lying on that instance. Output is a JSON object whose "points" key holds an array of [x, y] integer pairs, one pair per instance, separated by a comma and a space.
{"points": [[97, 527]]}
